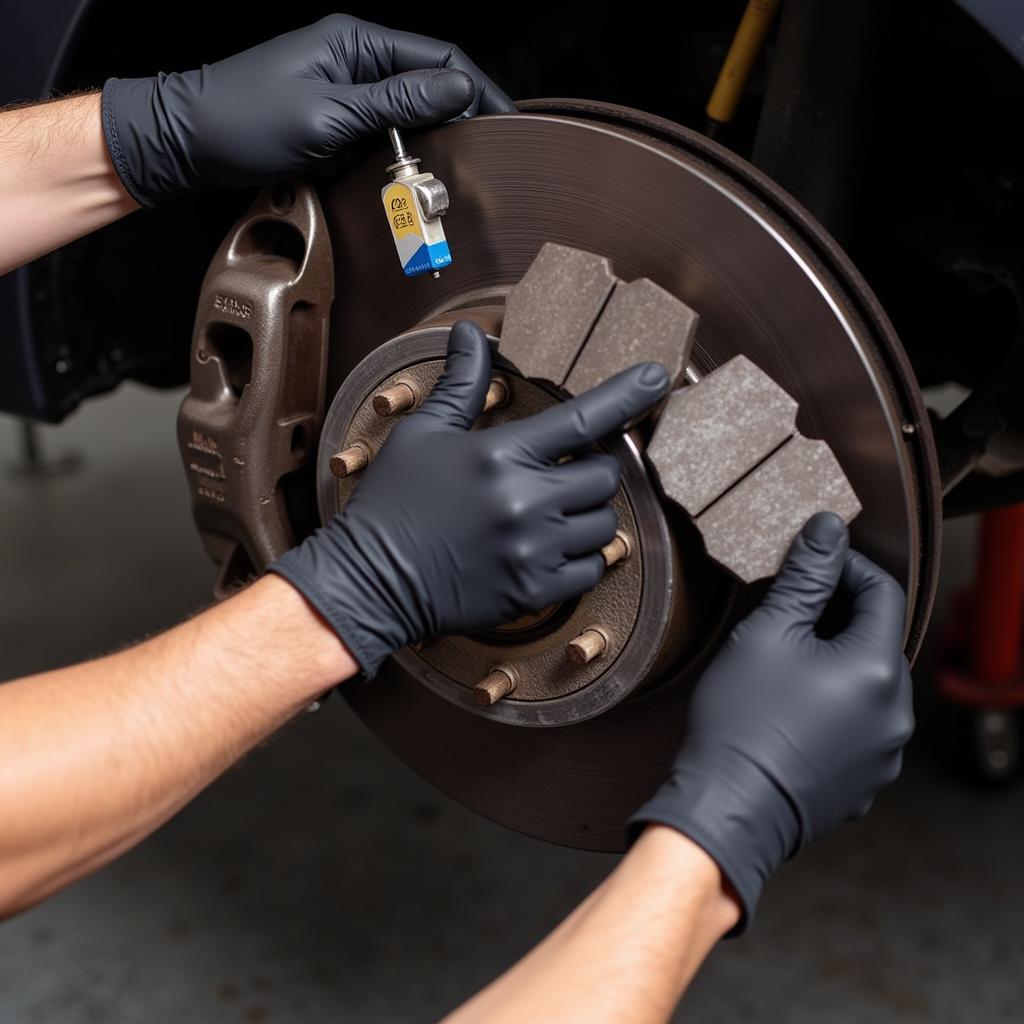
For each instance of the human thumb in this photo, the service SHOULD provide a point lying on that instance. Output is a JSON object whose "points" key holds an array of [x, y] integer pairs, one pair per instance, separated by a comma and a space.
{"points": [[407, 100], [458, 397], [810, 574]]}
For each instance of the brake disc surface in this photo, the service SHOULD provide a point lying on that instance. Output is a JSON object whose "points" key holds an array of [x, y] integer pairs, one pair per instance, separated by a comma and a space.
{"points": [[665, 204]]}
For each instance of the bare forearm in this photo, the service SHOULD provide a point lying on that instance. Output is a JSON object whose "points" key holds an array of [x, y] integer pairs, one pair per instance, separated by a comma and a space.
{"points": [[626, 953], [96, 756], [56, 179]]}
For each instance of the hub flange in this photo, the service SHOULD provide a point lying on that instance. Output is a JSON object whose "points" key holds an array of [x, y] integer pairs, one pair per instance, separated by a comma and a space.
{"points": [[640, 607]]}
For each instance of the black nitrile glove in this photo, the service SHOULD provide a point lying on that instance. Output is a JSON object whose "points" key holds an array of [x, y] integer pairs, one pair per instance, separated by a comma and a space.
{"points": [[789, 734], [451, 530], [284, 106]]}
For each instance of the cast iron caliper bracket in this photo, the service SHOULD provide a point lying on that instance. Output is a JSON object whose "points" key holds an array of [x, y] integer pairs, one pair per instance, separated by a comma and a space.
{"points": [[248, 428]]}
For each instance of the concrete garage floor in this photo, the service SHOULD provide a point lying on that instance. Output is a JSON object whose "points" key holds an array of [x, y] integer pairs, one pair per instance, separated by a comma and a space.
{"points": [[322, 880]]}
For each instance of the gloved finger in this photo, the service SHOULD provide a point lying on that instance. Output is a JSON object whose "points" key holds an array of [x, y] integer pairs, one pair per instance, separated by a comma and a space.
{"points": [[893, 768], [862, 808], [905, 701], [458, 397], [878, 605], [574, 578], [589, 531], [810, 573], [378, 52], [403, 101], [581, 421], [586, 482]]}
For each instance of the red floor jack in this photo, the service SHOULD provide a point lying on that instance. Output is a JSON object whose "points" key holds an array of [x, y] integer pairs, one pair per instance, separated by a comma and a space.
{"points": [[981, 661]]}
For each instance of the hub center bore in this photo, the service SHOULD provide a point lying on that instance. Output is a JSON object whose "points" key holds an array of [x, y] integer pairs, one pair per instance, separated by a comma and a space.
{"points": [[533, 624]]}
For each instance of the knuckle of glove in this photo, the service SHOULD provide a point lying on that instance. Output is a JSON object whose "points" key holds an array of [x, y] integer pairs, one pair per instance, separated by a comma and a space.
{"points": [[534, 593], [891, 594], [862, 808], [579, 425], [609, 524], [513, 515], [594, 572], [335, 23], [879, 675], [905, 725], [891, 769], [528, 587], [315, 125], [611, 473], [455, 56], [523, 552], [491, 461]]}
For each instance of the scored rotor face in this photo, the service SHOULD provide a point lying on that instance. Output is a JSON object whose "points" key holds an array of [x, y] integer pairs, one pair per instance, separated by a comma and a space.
{"points": [[662, 203]]}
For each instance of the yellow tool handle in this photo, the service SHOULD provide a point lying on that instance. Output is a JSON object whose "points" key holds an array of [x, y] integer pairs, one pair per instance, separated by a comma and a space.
{"points": [[746, 45]]}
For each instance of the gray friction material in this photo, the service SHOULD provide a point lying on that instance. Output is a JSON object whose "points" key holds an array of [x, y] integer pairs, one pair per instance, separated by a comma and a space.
{"points": [[641, 322], [750, 529], [713, 433], [550, 313], [727, 450]]}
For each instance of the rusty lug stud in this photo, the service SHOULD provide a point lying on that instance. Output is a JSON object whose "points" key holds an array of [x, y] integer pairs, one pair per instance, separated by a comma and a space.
{"points": [[399, 398], [497, 394], [351, 460], [618, 548], [498, 683], [589, 645]]}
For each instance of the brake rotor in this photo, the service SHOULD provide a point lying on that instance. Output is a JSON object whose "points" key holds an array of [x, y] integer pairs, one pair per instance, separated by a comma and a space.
{"points": [[665, 204]]}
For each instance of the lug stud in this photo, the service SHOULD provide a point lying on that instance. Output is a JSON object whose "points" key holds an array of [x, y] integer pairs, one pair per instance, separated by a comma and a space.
{"points": [[351, 460], [498, 683], [589, 645], [497, 394], [617, 549], [391, 401]]}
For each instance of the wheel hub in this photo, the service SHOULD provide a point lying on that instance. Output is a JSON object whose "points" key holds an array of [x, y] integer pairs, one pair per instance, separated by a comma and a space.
{"points": [[641, 609]]}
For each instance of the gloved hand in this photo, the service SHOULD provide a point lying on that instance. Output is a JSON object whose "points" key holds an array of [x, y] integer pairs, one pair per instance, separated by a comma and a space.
{"points": [[284, 106], [789, 734], [451, 530]]}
